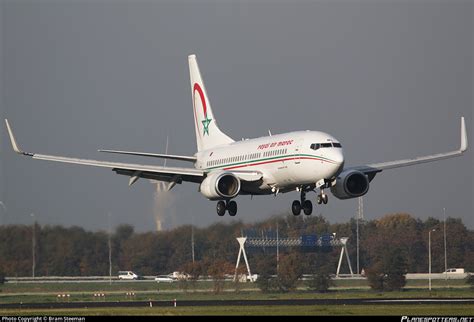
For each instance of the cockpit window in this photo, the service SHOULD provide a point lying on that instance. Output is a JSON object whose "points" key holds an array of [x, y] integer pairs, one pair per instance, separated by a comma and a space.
{"points": [[316, 146]]}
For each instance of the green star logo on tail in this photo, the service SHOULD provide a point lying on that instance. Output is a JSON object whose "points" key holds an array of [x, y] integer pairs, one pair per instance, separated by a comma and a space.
{"points": [[206, 123]]}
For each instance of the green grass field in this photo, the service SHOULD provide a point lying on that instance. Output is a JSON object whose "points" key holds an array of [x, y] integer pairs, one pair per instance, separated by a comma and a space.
{"points": [[445, 310], [84, 297], [202, 285], [145, 291], [243, 295]]}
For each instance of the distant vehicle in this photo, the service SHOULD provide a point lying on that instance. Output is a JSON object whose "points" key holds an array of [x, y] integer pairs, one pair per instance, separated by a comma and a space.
{"points": [[127, 275], [164, 279], [245, 278], [179, 276], [455, 271], [252, 278]]}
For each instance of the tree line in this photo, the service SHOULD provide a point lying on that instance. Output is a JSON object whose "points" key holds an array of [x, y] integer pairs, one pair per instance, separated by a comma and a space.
{"points": [[393, 240]]}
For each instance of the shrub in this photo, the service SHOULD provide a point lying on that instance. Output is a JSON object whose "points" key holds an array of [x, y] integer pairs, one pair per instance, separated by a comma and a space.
{"points": [[387, 275], [320, 282], [290, 271], [375, 277], [218, 270], [265, 269], [470, 280], [394, 281]]}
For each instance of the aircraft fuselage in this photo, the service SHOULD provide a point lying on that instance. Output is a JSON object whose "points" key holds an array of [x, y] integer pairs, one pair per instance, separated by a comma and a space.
{"points": [[287, 160]]}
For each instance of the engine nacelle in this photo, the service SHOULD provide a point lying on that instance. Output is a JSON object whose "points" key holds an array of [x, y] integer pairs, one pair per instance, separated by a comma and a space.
{"points": [[350, 184], [220, 185]]}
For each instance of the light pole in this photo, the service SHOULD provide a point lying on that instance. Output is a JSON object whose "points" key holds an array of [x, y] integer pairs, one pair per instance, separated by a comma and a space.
{"points": [[278, 250], [445, 251], [360, 215], [109, 243], [192, 242], [358, 269], [4, 215], [33, 245], [429, 256]]}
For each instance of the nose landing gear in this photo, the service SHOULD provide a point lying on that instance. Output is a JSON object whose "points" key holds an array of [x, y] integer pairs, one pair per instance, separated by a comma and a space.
{"points": [[322, 198], [230, 206], [306, 205]]}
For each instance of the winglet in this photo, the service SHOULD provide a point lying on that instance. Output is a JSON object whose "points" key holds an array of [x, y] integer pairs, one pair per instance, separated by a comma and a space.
{"points": [[463, 135], [13, 140]]}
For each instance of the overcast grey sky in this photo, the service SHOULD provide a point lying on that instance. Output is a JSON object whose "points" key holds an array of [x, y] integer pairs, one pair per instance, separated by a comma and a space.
{"points": [[389, 79]]}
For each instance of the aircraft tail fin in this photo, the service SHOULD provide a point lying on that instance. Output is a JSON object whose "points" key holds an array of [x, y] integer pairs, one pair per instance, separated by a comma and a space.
{"points": [[208, 134]]}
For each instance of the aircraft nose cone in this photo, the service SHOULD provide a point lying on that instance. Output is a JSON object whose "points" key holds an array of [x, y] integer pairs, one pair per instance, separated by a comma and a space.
{"points": [[338, 158]]}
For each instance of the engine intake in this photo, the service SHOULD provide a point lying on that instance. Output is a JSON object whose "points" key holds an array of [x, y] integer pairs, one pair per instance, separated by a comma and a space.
{"points": [[221, 185], [350, 184]]}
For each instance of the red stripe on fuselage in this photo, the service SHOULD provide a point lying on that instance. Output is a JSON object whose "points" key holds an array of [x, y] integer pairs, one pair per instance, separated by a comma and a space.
{"points": [[272, 161]]}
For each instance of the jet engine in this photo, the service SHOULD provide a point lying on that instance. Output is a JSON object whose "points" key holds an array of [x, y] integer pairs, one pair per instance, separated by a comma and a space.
{"points": [[220, 185], [350, 184]]}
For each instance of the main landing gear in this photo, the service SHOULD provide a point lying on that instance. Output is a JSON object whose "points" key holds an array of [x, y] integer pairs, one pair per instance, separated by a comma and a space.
{"points": [[306, 205], [229, 205]]}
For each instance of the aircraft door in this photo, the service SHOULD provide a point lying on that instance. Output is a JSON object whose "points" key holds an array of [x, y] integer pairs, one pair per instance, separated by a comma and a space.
{"points": [[297, 152], [296, 164]]}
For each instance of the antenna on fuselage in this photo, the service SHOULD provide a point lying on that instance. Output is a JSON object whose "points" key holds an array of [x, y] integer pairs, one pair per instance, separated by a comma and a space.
{"points": [[269, 133]]}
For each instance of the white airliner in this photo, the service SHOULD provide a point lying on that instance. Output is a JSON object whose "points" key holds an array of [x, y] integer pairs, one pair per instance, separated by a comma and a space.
{"points": [[301, 161]]}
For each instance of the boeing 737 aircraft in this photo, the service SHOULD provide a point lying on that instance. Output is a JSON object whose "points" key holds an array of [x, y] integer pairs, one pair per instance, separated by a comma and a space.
{"points": [[301, 161]]}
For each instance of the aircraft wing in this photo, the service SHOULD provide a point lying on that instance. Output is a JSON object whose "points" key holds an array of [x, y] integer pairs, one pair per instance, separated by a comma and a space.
{"points": [[372, 169], [153, 155], [135, 171]]}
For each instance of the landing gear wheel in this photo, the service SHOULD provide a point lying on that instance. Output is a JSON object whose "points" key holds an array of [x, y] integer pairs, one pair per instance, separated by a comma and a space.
{"points": [[296, 207], [319, 200], [307, 207], [325, 198], [220, 208], [232, 208]]}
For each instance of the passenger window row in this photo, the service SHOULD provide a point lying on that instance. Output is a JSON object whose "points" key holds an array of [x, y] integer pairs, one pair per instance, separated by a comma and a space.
{"points": [[274, 152], [245, 157]]}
